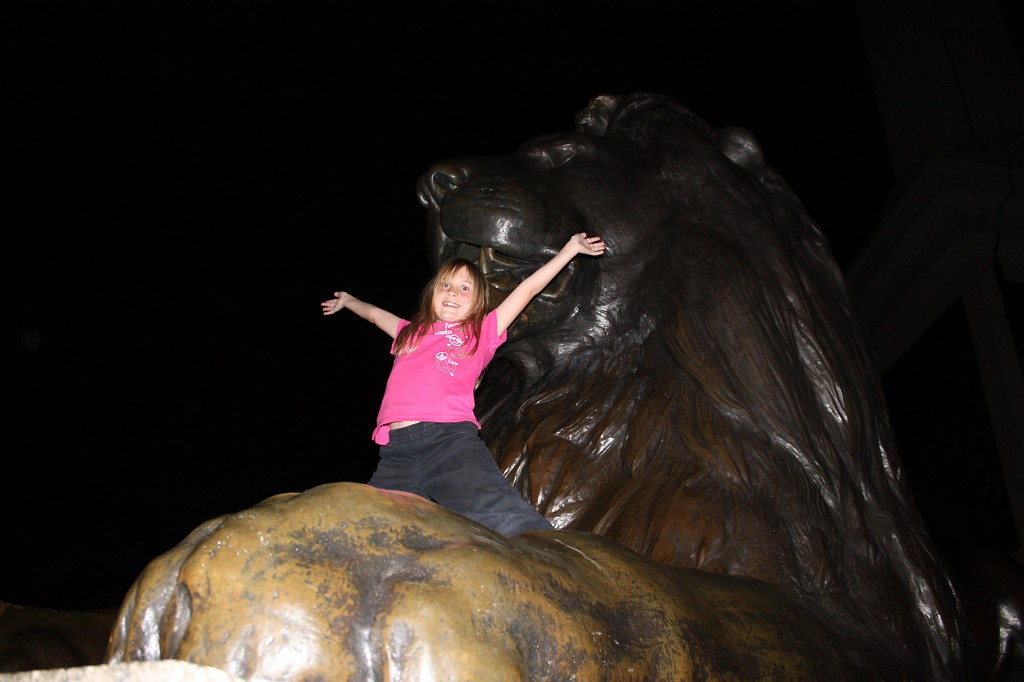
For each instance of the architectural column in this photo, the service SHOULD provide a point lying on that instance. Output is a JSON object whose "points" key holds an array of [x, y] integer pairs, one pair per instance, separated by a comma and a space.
{"points": [[1000, 370], [944, 71]]}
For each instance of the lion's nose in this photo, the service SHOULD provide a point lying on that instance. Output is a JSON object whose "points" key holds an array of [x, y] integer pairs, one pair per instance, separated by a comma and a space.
{"points": [[440, 179]]}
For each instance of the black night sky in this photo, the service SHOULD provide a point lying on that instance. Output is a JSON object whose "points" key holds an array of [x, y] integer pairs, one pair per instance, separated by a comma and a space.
{"points": [[188, 182]]}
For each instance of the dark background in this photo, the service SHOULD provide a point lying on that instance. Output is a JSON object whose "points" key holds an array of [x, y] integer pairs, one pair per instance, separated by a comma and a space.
{"points": [[189, 182]]}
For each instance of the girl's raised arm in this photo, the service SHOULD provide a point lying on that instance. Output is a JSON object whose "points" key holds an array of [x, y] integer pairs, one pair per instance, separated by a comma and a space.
{"points": [[521, 296], [387, 322]]}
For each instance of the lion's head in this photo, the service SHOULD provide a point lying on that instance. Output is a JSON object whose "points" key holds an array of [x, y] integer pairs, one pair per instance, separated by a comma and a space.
{"points": [[702, 393]]}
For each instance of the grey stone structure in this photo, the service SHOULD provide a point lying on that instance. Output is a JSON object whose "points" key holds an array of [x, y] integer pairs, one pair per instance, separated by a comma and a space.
{"points": [[951, 96]]}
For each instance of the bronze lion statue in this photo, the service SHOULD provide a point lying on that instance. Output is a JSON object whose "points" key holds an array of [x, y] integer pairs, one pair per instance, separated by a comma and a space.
{"points": [[696, 412]]}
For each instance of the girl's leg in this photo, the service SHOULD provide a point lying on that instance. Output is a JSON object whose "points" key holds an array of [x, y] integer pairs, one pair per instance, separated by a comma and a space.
{"points": [[462, 476], [398, 468]]}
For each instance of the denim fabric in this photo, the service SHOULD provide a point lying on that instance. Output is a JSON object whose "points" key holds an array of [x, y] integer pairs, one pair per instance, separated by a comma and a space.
{"points": [[450, 464]]}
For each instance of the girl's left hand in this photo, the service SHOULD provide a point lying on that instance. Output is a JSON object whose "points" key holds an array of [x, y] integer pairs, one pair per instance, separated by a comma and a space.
{"points": [[592, 246]]}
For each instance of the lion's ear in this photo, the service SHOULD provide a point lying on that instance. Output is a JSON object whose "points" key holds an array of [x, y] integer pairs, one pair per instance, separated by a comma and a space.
{"points": [[743, 149]]}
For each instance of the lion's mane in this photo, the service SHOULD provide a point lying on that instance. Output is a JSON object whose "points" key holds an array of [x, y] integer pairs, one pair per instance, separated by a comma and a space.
{"points": [[735, 423]]}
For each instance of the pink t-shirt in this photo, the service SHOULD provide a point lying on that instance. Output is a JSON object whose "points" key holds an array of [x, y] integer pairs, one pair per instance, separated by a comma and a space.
{"points": [[435, 382]]}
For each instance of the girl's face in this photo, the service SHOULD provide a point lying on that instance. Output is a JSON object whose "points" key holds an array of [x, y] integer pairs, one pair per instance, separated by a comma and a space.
{"points": [[454, 297]]}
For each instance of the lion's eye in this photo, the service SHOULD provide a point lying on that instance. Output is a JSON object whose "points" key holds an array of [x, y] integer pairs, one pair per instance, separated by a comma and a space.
{"points": [[550, 151], [560, 154]]}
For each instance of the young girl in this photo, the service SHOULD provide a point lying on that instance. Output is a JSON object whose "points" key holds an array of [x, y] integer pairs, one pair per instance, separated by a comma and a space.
{"points": [[428, 433]]}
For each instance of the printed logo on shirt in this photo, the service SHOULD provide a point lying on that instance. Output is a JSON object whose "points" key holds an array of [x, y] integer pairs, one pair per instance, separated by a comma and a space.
{"points": [[451, 336], [445, 361]]}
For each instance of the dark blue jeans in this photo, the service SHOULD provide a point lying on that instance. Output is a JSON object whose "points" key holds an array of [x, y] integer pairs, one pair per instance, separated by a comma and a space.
{"points": [[450, 464]]}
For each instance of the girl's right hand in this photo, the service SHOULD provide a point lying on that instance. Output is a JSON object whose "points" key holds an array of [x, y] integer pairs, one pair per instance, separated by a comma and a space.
{"points": [[335, 304]]}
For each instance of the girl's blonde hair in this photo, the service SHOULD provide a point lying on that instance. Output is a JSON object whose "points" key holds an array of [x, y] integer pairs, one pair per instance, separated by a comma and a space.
{"points": [[423, 320]]}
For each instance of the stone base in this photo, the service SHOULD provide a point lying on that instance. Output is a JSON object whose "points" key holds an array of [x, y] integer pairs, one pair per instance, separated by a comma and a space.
{"points": [[156, 671]]}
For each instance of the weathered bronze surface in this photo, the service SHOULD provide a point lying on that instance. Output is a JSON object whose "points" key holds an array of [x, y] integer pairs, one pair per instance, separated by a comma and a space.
{"points": [[348, 582], [701, 399]]}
